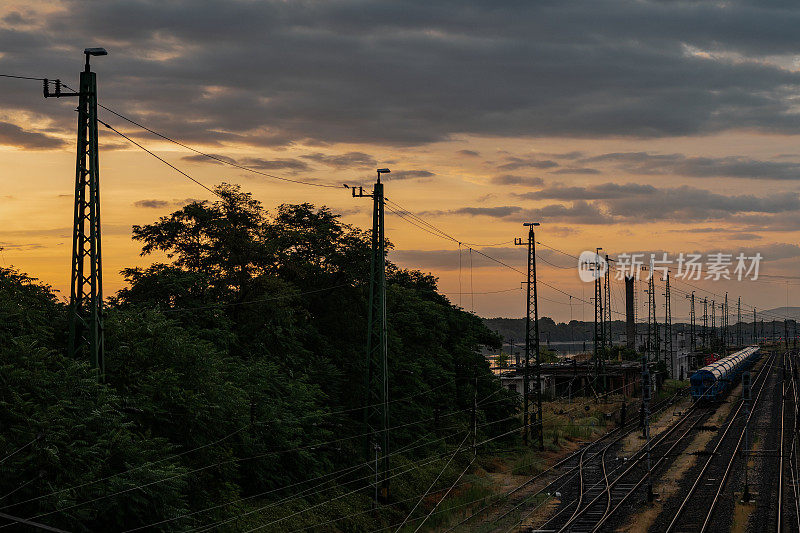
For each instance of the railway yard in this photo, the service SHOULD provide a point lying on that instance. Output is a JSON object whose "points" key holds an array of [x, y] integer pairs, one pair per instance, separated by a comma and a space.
{"points": [[692, 479]]}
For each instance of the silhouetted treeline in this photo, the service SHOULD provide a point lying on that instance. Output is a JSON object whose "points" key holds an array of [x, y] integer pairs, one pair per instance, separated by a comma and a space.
{"points": [[234, 382]]}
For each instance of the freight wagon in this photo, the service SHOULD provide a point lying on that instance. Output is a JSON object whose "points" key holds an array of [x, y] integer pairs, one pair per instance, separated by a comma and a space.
{"points": [[711, 382]]}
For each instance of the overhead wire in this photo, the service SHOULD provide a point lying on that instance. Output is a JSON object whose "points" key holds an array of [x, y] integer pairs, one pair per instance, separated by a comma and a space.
{"points": [[21, 77], [434, 482], [213, 157], [4, 459], [198, 182], [356, 490], [224, 438], [229, 461], [302, 494]]}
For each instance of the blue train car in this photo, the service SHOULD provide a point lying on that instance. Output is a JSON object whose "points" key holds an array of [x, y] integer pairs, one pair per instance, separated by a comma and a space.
{"points": [[711, 382]]}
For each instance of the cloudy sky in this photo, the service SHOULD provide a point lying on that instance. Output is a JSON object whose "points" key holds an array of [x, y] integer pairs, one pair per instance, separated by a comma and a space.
{"points": [[632, 125]]}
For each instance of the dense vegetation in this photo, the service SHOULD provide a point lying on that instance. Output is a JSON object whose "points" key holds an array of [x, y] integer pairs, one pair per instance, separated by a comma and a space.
{"points": [[234, 378]]}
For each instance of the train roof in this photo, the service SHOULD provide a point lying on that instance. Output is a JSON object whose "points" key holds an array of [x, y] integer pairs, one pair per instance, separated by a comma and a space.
{"points": [[730, 361]]}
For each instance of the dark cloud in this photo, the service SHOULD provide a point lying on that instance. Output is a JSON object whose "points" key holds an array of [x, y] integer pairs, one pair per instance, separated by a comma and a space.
{"points": [[274, 164], [151, 204], [13, 135], [771, 251], [593, 192], [469, 153], [409, 174], [579, 212], [764, 222], [496, 212], [742, 236], [197, 158], [632, 201], [692, 205], [253, 162], [348, 160], [21, 246], [610, 203], [698, 167], [575, 154], [516, 163], [512, 179], [273, 73], [160, 204], [576, 170], [448, 259]]}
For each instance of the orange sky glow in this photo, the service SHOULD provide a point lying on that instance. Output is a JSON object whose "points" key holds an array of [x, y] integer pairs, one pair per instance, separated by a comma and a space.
{"points": [[667, 186]]}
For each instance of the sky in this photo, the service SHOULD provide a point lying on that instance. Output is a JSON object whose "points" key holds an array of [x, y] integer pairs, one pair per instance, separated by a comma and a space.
{"points": [[635, 126]]}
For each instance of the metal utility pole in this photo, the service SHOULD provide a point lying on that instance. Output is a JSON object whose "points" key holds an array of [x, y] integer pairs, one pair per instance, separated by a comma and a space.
{"points": [[607, 305], [652, 330], [705, 322], [630, 312], [725, 328], [755, 331], [599, 341], [722, 309], [739, 338], [376, 399], [668, 329], [713, 322], [692, 320], [532, 338], [86, 337]]}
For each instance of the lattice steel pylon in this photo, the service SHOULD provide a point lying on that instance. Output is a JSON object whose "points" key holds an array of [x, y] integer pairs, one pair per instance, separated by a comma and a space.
{"points": [[599, 329], [607, 305], [653, 340], [692, 324], [705, 322], [86, 337], [376, 385], [532, 341], [713, 322], [739, 336], [668, 328]]}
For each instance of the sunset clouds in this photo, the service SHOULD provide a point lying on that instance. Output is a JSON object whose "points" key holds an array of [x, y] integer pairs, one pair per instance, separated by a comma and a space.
{"points": [[614, 123]]}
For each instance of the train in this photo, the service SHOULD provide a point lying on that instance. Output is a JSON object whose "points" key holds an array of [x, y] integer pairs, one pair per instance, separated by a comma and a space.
{"points": [[711, 382]]}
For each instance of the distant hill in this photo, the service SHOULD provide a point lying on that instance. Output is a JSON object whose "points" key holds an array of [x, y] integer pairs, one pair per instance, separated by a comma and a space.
{"points": [[575, 331], [778, 313]]}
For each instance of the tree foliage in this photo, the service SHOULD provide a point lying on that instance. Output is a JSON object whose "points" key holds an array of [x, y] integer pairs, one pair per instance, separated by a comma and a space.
{"points": [[234, 378]]}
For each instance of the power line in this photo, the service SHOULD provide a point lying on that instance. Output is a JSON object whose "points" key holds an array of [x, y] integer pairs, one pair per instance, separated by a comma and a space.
{"points": [[21, 77], [310, 491], [173, 167], [3, 460], [212, 156], [433, 230], [31, 523], [434, 482]]}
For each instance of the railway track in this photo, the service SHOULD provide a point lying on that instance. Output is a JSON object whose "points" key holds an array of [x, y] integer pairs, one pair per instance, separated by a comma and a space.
{"points": [[601, 500], [791, 518], [696, 511], [569, 469], [620, 481]]}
